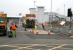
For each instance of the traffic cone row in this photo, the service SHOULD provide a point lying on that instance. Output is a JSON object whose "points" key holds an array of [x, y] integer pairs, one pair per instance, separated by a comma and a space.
{"points": [[30, 30], [35, 32], [49, 33]]}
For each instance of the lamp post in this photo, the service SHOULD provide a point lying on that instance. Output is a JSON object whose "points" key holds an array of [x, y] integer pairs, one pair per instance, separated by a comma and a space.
{"points": [[20, 19], [64, 7], [51, 5], [51, 15], [34, 3], [64, 13]]}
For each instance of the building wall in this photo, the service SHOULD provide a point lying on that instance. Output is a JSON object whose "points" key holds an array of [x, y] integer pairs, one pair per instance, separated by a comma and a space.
{"points": [[42, 16], [13, 20], [32, 10], [40, 9]]}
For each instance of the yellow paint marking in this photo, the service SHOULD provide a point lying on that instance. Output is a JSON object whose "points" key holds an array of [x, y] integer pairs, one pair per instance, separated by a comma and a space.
{"points": [[37, 49], [67, 48], [3, 45], [31, 45], [57, 47], [26, 47]]}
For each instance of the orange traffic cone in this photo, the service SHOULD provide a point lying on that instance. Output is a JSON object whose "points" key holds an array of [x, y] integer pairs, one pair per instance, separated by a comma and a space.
{"points": [[49, 33], [33, 31], [37, 33]]}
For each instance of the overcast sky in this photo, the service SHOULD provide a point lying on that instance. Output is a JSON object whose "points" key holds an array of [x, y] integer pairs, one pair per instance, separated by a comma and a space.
{"points": [[14, 7]]}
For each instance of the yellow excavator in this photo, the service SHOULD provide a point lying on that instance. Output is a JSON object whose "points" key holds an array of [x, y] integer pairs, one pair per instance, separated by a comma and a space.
{"points": [[29, 21]]}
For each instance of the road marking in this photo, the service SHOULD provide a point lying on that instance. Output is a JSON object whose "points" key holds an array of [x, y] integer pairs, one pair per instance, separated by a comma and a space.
{"points": [[67, 48], [57, 47], [22, 48], [8, 46], [26, 47], [15, 45], [30, 46], [37, 49], [34, 44], [3, 45]]}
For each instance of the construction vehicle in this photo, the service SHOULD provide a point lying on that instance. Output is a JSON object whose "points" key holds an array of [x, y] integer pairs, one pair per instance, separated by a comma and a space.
{"points": [[3, 23], [29, 21]]}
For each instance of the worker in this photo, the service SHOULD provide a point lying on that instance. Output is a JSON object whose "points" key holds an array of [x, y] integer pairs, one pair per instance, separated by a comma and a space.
{"points": [[43, 26], [13, 29], [8, 30]]}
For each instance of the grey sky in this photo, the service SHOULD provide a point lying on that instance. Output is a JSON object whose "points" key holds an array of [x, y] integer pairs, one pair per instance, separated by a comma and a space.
{"points": [[14, 7]]}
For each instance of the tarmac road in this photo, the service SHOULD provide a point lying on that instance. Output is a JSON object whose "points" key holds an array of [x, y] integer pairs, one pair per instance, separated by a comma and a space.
{"points": [[28, 41]]}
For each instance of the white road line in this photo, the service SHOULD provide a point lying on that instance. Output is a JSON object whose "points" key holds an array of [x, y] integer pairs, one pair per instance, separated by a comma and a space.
{"points": [[68, 48], [26, 47], [31, 45], [15, 45], [23, 48], [3, 45], [57, 47], [37, 49], [8, 46], [34, 44]]}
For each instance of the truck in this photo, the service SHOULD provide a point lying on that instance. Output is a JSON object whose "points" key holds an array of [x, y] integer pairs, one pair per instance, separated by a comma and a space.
{"points": [[3, 23]]}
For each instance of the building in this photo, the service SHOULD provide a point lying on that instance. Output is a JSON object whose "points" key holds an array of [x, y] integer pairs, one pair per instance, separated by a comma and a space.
{"points": [[43, 16], [15, 20], [39, 12]]}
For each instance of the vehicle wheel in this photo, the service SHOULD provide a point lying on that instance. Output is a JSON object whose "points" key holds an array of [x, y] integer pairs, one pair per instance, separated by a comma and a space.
{"points": [[5, 33]]}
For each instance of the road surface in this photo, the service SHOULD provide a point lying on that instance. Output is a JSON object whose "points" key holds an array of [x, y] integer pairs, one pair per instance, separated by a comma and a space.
{"points": [[28, 41]]}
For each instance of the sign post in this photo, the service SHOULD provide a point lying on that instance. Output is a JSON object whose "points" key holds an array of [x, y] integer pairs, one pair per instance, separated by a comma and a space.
{"points": [[70, 15]]}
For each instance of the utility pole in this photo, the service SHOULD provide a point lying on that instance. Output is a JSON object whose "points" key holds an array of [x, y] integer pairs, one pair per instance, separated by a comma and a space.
{"points": [[70, 15], [51, 14], [64, 13], [64, 7], [51, 5], [34, 3]]}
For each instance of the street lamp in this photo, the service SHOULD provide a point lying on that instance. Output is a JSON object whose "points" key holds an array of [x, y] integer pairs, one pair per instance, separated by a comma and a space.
{"points": [[34, 3], [51, 14], [64, 7], [51, 5], [64, 12]]}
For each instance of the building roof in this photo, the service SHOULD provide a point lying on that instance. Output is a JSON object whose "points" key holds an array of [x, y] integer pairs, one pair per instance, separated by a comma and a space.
{"points": [[13, 17], [32, 8], [40, 7], [30, 15]]}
